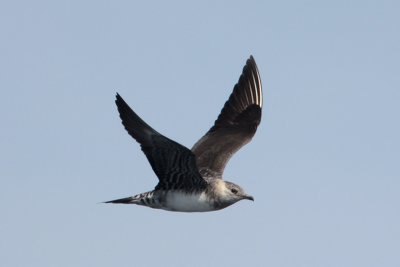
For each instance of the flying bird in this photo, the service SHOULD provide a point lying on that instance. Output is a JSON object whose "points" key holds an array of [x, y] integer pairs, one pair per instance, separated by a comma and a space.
{"points": [[191, 180]]}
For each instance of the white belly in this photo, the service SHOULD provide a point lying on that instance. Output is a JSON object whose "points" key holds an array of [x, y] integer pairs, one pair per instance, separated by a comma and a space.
{"points": [[176, 201]]}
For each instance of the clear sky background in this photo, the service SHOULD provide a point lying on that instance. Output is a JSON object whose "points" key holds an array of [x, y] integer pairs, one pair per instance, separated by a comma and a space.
{"points": [[323, 166]]}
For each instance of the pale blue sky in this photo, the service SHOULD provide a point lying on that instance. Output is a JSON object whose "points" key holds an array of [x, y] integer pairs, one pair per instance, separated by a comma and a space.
{"points": [[323, 167]]}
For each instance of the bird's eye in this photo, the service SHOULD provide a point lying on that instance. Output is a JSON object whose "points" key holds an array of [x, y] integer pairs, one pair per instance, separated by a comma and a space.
{"points": [[233, 190]]}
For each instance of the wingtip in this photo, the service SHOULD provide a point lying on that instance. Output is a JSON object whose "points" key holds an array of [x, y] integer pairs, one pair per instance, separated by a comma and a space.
{"points": [[251, 60], [251, 63], [119, 100]]}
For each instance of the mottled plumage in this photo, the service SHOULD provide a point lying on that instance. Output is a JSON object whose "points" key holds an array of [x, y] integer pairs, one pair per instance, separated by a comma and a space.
{"points": [[191, 180]]}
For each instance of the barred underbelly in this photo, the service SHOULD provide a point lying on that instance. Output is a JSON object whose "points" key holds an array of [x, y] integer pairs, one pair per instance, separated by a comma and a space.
{"points": [[148, 199]]}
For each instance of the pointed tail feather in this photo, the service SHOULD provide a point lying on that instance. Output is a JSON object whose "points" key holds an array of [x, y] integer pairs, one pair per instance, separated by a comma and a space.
{"points": [[127, 200]]}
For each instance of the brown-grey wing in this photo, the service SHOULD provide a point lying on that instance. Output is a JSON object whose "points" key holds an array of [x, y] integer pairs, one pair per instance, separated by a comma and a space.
{"points": [[235, 126], [174, 164]]}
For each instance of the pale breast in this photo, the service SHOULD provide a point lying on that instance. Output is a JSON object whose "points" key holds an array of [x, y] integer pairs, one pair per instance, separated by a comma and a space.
{"points": [[178, 201]]}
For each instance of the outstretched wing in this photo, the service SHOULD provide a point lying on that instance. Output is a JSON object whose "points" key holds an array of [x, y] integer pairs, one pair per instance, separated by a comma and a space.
{"points": [[236, 124], [174, 164]]}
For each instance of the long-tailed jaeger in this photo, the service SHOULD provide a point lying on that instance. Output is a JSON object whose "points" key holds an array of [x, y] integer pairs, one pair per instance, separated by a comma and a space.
{"points": [[191, 180]]}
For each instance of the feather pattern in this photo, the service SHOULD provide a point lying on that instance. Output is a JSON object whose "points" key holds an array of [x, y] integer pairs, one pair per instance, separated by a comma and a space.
{"points": [[174, 164], [235, 126]]}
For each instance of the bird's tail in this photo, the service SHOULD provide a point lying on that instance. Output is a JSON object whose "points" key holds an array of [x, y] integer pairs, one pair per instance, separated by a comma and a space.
{"points": [[126, 200], [141, 199]]}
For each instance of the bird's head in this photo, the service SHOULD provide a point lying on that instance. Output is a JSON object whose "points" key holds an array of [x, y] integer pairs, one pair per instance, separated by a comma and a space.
{"points": [[230, 193]]}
